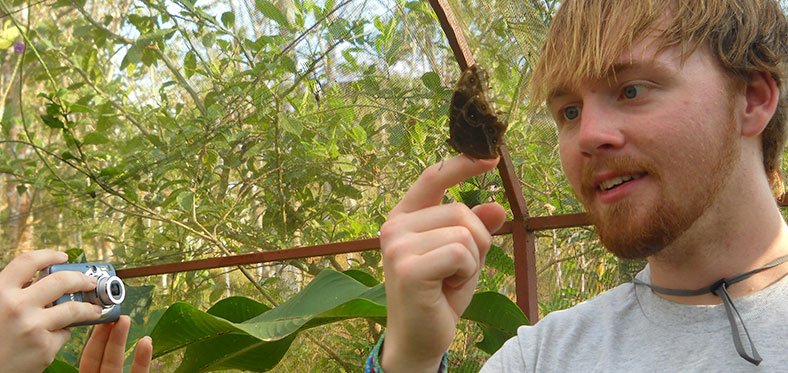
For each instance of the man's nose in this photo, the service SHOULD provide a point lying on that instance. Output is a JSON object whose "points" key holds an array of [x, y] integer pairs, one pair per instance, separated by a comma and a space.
{"points": [[600, 130]]}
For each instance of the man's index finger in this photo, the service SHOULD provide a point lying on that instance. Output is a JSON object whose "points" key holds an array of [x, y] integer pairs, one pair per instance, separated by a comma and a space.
{"points": [[429, 188]]}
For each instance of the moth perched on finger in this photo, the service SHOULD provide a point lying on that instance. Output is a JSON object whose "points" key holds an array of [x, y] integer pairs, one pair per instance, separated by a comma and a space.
{"points": [[474, 127]]}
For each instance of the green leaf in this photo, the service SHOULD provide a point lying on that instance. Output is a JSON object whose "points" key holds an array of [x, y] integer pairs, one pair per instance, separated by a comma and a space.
{"points": [[292, 126], [52, 121], [76, 255], [52, 108], [142, 23], [359, 135], [133, 56], [149, 56], [497, 258], [249, 354], [237, 309], [471, 198], [79, 108], [228, 19], [362, 277], [432, 81], [138, 330], [95, 138], [350, 58], [210, 159], [8, 36], [498, 316], [136, 306], [75, 86], [111, 171], [67, 156], [59, 366], [219, 288], [173, 197], [271, 11], [289, 64], [209, 39], [189, 64], [149, 38], [186, 200], [211, 98]]}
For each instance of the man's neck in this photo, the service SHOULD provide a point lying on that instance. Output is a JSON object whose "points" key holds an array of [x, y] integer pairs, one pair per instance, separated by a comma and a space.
{"points": [[724, 245]]}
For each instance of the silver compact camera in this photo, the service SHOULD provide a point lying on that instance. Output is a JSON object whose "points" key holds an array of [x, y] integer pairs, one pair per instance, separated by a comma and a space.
{"points": [[109, 293]]}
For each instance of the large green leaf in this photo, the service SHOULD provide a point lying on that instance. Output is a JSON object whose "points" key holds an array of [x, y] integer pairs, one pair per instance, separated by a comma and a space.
{"points": [[240, 333], [257, 339], [240, 352], [248, 353], [498, 317]]}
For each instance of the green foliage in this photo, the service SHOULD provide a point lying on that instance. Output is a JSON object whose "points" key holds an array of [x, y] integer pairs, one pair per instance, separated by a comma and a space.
{"points": [[240, 333]]}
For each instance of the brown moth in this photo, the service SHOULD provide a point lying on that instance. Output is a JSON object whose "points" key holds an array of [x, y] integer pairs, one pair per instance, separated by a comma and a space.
{"points": [[474, 128]]}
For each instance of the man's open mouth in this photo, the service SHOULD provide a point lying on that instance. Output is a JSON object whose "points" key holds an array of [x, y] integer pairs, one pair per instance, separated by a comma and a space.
{"points": [[610, 184]]}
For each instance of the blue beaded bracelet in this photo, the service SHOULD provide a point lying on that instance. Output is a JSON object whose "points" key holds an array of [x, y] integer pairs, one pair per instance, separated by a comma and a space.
{"points": [[372, 364]]}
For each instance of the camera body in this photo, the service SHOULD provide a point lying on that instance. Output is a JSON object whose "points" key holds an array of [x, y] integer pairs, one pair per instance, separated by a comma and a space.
{"points": [[109, 293]]}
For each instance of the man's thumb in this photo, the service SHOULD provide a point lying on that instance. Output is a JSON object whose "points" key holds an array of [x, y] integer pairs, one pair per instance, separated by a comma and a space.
{"points": [[491, 214]]}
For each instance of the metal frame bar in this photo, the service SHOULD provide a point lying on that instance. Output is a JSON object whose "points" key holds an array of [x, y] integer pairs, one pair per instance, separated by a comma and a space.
{"points": [[302, 252], [524, 241], [453, 32]]}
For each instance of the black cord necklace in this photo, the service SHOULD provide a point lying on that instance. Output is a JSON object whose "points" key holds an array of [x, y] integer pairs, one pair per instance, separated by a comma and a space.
{"points": [[720, 289]]}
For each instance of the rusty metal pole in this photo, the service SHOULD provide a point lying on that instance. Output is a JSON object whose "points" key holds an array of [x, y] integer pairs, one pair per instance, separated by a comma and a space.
{"points": [[524, 241], [253, 258], [453, 32], [533, 224]]}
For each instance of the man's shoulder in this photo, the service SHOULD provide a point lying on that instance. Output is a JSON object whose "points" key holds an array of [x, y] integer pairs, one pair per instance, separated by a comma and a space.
{"points": [[545, 344], [632, 321], [598, 312]]}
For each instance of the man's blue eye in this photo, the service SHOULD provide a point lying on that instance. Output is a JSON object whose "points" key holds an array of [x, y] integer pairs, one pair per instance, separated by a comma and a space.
{"points": [[631, 91], [571, 113]]}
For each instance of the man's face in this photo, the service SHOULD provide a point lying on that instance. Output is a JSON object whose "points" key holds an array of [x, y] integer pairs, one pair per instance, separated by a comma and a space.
{"points": [[648, 148]]}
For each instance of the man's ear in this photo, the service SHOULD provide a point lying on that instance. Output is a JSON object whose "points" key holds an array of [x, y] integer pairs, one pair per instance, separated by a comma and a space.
{"points": [[761, 95]]}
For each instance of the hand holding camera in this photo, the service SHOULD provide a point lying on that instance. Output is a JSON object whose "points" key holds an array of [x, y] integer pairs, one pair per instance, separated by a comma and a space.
{"points": [[35, 317], [108, 294]]}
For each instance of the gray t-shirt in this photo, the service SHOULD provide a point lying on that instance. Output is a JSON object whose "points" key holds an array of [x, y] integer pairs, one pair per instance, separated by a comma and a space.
{"points": [[631, 329]]}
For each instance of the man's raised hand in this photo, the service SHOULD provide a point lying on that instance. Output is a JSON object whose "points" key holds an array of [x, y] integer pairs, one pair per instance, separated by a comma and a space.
{"points": [[432, 255]]}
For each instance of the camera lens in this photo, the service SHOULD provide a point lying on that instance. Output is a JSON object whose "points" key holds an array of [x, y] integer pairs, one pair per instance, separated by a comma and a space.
{"points": [[110, 290], [114, 290]]}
